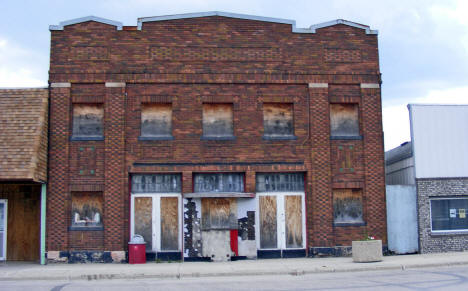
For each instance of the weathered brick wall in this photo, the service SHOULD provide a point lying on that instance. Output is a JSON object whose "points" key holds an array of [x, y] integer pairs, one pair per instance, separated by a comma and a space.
{"points": [[439, 242], [188, 62]]}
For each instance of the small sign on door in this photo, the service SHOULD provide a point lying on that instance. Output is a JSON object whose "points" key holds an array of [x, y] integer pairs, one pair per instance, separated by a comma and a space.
{"points": [[453, 213], [461, 213]]}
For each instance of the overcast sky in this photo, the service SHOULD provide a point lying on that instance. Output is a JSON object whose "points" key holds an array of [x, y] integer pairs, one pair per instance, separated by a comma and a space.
{"points": [[423, 44]]}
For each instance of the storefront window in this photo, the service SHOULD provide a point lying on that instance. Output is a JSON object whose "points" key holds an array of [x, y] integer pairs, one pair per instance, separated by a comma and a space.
{"points": [[219, 182], [449, 214], [156, 183]]}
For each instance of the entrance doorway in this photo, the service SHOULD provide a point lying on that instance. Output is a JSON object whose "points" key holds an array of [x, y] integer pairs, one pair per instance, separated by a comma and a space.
{"points": [[156, 217], [3, 228], [281, 221]]}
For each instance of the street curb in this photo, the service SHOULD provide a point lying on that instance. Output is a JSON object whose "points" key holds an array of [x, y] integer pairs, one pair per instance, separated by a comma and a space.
{"points": [[233, 273]]}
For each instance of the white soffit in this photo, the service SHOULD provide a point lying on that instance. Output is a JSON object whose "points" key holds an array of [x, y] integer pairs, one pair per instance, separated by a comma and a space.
{"points": [[440, 140]]}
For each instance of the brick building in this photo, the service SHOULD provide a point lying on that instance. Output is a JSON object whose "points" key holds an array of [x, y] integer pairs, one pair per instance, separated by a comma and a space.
{"points": [[213, 135]]}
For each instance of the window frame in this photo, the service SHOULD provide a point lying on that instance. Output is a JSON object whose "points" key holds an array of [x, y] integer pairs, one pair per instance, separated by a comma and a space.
{"points": [[349, 223], [291, 136], [446, 231], [346, 137], [170, 136], [73, 227], [73, 136], [220, 137]]}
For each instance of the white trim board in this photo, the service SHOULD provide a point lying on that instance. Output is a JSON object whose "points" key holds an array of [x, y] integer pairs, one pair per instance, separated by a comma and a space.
{"points": [[141, 20]]}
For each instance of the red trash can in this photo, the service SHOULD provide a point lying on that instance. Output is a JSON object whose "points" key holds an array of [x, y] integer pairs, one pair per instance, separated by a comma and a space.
{"points": [[137, 250]]}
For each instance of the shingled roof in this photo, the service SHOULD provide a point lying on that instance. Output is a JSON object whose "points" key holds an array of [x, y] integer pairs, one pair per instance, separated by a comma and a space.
{"points": [[23, 134]]}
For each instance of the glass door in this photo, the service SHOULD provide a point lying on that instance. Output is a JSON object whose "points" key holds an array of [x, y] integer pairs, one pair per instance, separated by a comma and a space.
{"points": [[281, 220], [156, 217], [3, 228]]}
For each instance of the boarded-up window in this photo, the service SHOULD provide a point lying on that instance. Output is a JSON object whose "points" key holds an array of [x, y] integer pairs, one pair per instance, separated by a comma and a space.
{"points": [[293, 215], [219, 182], [347, 205], [169, 223], [87, 209], [268, 222], [344, 120], [219, 213], [278, 119], [270, 182], [156, 183], [217, 120], [88, 120], [143, 219], [156, 120]]}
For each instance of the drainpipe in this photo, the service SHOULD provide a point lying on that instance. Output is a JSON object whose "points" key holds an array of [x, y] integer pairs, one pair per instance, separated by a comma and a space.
{"points": [[43, 223]]}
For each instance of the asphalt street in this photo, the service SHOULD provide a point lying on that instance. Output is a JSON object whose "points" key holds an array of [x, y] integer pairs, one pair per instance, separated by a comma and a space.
{"points": [[441, 278]]}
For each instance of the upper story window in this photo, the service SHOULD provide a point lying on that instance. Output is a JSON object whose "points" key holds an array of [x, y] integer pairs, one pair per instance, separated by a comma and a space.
{"points": [[218, 121], [88, 121], [278, 121], [449, 214], [156, 120], [344, 120]]}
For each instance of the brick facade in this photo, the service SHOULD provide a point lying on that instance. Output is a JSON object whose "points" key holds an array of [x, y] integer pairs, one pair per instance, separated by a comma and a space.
{"points": [[188, 62], [436, 242]]}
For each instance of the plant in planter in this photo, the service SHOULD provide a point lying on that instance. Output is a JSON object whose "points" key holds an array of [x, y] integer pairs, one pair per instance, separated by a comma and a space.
{"points": [[367, 250]]}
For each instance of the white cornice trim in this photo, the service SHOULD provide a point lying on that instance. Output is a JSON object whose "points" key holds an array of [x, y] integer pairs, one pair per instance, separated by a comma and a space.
{"points": [[318, 85], [311, 29], [60, 85], [62, 24], [314, 27]]}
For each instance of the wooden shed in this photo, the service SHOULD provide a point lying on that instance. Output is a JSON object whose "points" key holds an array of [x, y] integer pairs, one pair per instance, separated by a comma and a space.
{"points": [[23, 173]]}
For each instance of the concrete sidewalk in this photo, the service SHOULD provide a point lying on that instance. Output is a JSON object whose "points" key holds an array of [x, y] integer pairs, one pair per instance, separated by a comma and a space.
{"points": [[299, 266]]}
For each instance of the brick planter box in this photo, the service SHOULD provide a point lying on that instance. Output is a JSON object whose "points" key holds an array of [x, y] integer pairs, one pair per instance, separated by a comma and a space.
{"points": [[367, 251]]}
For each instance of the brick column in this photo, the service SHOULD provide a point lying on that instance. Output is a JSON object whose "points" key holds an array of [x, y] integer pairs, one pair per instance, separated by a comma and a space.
{"points": [[319, 200], [58, 195], [115, 175], [374, 192]]}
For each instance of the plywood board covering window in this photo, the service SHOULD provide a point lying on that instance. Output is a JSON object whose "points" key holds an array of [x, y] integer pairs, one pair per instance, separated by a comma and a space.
{"points": [[278, 119], [88, 120], [143, 219], [219, 213], [156, 120], [347, 205], [293, 211], [268, 222], [169, 223], [87, 209], [217, 120], [344, 120]]}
